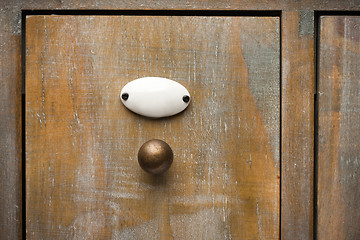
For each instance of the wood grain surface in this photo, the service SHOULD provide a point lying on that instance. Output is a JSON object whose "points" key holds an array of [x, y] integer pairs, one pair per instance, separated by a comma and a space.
{"points": [[298, 90], [82, 176], [296, 75], [10, 138], [339, 128]]}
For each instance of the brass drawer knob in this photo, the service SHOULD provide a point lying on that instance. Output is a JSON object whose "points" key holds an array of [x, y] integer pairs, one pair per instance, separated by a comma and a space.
{"points": [[155, 156]]}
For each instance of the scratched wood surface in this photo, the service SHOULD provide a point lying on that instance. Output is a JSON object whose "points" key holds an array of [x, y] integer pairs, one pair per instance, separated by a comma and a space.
{"points": [[297, 107], [82, 176], [298, 88], [339, 128]]}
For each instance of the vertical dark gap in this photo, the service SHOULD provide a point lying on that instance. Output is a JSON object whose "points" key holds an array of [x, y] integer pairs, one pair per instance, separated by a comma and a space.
{"points": [[280, 138], [316, 118], [23, 132]]}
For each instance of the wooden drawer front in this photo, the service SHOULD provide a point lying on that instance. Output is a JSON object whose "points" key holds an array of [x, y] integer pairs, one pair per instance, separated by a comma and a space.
{"points": [[339, 128], [82, 176]]}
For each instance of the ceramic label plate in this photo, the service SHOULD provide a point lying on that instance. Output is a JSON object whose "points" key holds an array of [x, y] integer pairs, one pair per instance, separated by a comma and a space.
{"points": [[155, 97]]}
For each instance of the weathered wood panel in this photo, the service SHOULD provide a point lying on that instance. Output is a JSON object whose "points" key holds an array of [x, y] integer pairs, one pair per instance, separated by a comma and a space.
{"points": [[298, 90], [339, 128], [10, 138], [10, 28], [82, 177]]}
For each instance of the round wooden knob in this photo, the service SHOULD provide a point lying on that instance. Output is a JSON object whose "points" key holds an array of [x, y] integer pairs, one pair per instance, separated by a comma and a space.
{"points": [[155, 156]]}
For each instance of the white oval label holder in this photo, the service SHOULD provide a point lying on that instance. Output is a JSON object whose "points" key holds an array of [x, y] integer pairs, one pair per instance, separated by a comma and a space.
{"points": [[155, 97]]}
